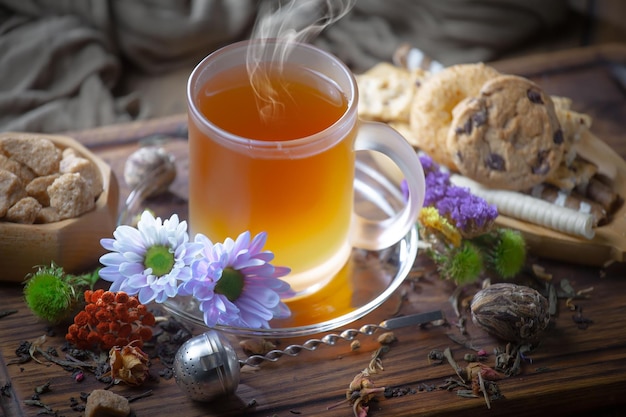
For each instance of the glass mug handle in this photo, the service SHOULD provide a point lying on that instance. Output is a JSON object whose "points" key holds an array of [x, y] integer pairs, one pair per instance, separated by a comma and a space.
{"points": [[379, 234]]}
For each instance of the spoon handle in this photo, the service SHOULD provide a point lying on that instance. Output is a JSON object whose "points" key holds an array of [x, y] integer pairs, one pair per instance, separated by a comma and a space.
{"points": [[348, 335]]}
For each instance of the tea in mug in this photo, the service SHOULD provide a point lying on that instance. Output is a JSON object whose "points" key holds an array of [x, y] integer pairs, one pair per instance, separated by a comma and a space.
{"points": [[303, 202]]}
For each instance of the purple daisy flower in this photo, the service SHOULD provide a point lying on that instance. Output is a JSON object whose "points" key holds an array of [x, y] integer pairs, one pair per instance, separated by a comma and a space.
{"points": [[235, 283], [150, 260]]}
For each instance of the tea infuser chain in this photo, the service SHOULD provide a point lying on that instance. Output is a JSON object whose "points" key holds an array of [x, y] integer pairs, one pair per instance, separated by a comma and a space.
{"points": [[207, 367], [347, 335]]}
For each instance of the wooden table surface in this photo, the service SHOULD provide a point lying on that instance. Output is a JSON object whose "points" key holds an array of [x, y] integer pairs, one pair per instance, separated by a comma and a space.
{"points": [[573, 371]]}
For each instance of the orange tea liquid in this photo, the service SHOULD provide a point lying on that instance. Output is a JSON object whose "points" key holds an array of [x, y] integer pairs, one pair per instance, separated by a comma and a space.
{"points": [[303, 203]]}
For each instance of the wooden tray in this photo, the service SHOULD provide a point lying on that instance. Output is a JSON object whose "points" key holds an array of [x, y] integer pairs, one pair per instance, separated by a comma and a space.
{"points": [[609, 243], [588, 77]]}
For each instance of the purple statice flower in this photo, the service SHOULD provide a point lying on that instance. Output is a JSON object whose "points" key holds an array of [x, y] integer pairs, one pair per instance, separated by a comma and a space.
{"points": [[150, 260], [437, 181], [471, 214], [235, 283]]}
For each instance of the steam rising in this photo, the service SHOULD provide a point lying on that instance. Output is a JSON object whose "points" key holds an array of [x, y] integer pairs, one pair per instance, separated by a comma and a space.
{"points": [[293, 21]]}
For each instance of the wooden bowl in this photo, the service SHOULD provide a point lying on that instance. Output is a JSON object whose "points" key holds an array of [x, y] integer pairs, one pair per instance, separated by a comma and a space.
{"points": [[73, 244]]}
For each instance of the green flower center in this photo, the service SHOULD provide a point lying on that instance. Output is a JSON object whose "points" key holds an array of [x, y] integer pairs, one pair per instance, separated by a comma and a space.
{"points": [[230, 284], [160, 259]]}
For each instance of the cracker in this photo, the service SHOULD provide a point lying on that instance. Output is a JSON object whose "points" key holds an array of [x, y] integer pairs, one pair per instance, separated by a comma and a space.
{"points": [[573, 124], [577, 173], [560, 102], [386, 92]]}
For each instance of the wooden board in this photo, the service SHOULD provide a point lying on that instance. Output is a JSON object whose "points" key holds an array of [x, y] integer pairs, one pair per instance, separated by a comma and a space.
{"points": [[609, 241], [572, 372], [590, 78]]}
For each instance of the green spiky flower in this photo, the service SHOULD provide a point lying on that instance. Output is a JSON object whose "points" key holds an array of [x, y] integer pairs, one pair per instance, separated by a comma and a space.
{"points": [[464, 264], [509, 253], [53, 295]]}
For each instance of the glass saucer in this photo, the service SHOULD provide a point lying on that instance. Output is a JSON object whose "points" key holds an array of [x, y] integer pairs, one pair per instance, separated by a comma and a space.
{"points": [[366, 281]]}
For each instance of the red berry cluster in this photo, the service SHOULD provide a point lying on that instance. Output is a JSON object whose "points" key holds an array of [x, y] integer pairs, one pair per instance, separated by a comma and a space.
{"points": [[110, 319]]}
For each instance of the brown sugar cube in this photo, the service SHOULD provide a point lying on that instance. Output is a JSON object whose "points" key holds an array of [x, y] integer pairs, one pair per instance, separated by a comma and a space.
{"points": [[104, 403], [24, 211], [87, 169], [68, 153], [70, 196], [38, 188], [39, 154], [47, 215], [22, 171], [11, 190]]}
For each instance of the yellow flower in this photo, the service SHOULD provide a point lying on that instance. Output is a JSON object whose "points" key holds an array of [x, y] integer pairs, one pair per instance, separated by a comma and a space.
{"points": [[430, 217]]}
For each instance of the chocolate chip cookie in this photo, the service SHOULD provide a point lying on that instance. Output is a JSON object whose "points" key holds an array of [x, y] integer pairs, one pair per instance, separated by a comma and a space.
{"points": [[431, 110], [508, 136]]}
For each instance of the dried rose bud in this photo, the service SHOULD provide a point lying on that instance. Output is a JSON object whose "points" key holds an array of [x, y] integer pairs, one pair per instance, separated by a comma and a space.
{"points": [[79, 376], [474, 368], [511, 312], [128, 364]]}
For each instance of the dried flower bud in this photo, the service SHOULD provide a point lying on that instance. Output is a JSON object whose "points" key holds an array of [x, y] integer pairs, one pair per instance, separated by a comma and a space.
{"points": [[511, 312], [144, 163], [470, 357], [79, 376], [128, 364], [256, 346], [474, 368], [387, 338], [360, 392]]}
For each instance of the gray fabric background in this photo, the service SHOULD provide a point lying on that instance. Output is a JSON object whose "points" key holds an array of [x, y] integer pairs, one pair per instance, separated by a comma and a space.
{"points": [[61, 60]]}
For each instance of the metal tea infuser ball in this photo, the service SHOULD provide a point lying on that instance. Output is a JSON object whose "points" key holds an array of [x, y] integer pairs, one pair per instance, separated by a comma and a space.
{"points": [[206, 366]]}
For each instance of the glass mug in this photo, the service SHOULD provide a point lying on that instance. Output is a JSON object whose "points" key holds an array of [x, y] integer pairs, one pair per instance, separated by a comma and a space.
{"points": [[291, 175]]}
